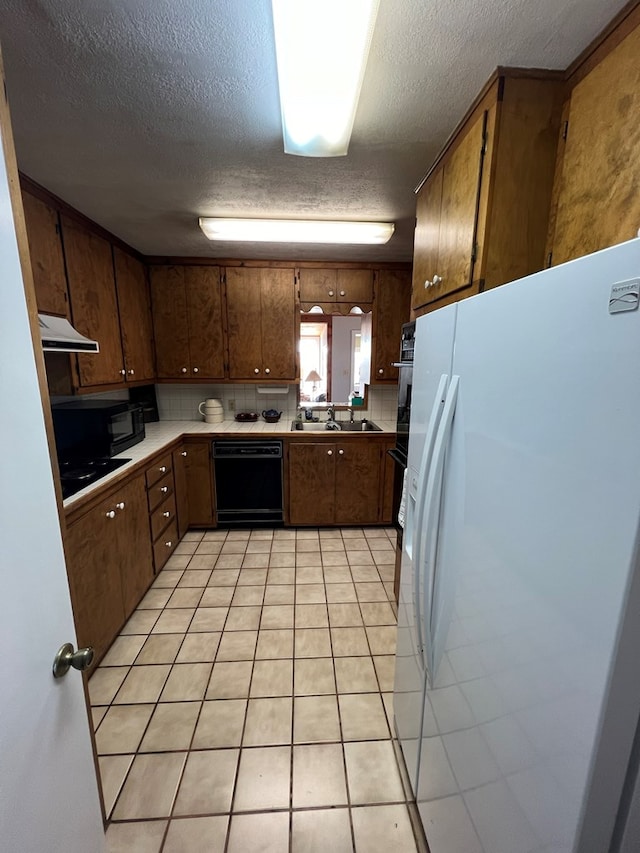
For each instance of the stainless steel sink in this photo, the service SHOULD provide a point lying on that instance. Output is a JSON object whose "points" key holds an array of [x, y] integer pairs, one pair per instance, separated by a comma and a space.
{"points": [[345, 426]]}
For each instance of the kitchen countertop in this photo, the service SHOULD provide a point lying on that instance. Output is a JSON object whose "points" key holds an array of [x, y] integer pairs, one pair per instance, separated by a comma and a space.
{"points": [[163, 433]]}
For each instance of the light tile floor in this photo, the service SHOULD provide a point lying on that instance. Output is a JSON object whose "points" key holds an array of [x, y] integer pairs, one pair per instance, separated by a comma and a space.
{"points": [[246, 705]]}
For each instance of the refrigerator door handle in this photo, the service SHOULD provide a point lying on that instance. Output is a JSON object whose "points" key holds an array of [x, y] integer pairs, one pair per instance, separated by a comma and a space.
{"points": [[418, 537], [433, 495]]}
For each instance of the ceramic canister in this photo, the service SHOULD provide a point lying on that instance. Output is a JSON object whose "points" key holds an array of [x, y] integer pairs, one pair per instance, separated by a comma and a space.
{"points": [[212, 411]]}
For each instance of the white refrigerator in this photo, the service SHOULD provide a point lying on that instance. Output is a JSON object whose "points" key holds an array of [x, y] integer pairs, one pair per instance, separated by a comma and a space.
{"points": [[517, 690]]}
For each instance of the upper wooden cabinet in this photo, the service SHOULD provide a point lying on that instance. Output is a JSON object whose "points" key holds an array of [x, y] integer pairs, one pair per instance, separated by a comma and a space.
{"points": [[482, 210], [391, 308], [135, 317], [262, 321], [188, 322], [94, 304], [47, 259], [597, 198], [346, 286]]}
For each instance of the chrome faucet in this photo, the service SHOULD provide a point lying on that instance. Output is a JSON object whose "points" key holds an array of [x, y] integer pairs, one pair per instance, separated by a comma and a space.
{"points": [[350, 414], [331, 414]]}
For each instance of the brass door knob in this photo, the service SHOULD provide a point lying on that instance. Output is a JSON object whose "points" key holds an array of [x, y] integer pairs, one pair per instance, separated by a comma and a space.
{"points": [[67, 658]]}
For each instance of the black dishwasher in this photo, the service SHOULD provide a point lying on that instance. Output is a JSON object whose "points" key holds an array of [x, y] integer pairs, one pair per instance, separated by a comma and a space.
{"points": [[248, 477]]}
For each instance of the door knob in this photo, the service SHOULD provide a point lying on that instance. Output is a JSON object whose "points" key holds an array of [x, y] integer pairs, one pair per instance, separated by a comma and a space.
{"points": [[67, 658]]}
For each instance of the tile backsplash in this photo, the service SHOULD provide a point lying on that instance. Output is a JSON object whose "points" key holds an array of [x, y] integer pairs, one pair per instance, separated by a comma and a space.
{"points": [[180, 402]]}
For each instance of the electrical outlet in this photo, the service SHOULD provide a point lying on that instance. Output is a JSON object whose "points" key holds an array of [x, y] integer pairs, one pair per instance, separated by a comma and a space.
{"points": [[232, 405]]}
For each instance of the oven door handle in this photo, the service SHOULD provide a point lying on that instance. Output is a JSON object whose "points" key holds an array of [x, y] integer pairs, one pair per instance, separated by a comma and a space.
{"points": [[402, 364]]}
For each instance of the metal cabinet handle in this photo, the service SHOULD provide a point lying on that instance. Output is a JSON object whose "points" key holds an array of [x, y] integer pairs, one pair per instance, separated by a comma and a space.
{"points": [[184, 370], [329, 452], [166, 513], [111, 513], [196, 370], [183, 453], [120, 505], [164, 489], [67, 658], [163, 469], [341, 452]]}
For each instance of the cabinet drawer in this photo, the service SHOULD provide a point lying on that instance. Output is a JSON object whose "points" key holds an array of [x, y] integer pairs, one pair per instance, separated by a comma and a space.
{"points": [[162, 516], [160, 491], [158, 470], [165, 546]]}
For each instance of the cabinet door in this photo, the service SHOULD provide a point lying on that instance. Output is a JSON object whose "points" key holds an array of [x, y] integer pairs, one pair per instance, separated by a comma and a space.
{"points": [[280, 322], [599, 203], [199, 471], [135, 317], [318, 286], [94, 306], [170, 325], [427, 238], [94, 577], [244, 323], [458, 213], [391, 308], [358, 470], [181, 493], [311, 479], [47, 260], [134, 542], [204, 310], [355, 286]]}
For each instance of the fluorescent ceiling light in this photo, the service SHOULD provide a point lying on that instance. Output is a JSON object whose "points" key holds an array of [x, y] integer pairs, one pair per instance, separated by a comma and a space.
{"points": [[295, 230], [321, 48]]}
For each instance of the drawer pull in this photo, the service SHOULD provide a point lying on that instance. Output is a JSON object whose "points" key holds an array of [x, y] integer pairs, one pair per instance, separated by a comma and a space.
{"points": [[267, 370], [329, 452], [341, 452], [167, 514], [342, 293], [183, 453], [169, 543], [331, 293], [111, 513], [256, 370], [163, 469], [120, 505], [164, 489], [184, 370], [196, 370]]}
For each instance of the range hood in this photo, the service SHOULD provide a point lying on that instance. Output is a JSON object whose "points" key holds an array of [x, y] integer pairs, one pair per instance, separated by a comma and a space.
{"points": [[58, 335]]}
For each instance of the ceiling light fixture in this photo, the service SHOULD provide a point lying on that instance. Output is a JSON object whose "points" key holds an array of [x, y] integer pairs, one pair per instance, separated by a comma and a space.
{"points": [[295, 230], [321, 50]]}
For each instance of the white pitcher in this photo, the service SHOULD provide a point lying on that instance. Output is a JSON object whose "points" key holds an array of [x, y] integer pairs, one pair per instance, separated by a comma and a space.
{"points": [[212, 411]]}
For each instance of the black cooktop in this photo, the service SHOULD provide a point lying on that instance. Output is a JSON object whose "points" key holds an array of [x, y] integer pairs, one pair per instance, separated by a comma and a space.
{"points": [[76, 474]]}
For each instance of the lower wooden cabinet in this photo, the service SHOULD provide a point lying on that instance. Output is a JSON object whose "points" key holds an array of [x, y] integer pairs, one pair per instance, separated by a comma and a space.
{"points": [[161, 509], [109, 563], [199, 480], [336, 483]]}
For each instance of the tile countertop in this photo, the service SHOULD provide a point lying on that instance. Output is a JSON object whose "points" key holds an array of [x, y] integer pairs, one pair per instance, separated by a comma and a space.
{"points": [[160, 435]]}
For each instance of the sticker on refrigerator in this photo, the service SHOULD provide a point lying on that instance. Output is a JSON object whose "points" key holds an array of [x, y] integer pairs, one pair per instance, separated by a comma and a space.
{"points": [[625, 296]]}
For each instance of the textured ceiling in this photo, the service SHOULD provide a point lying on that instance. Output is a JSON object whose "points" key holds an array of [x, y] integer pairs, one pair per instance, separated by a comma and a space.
{"points": [[145, 114]]}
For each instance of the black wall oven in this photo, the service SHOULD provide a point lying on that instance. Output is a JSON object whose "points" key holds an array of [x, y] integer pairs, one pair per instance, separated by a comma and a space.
{"points": [[405, 384]]}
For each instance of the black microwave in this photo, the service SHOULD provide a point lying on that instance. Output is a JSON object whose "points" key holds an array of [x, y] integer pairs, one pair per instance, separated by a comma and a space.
{"points": [[94, 428]]}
